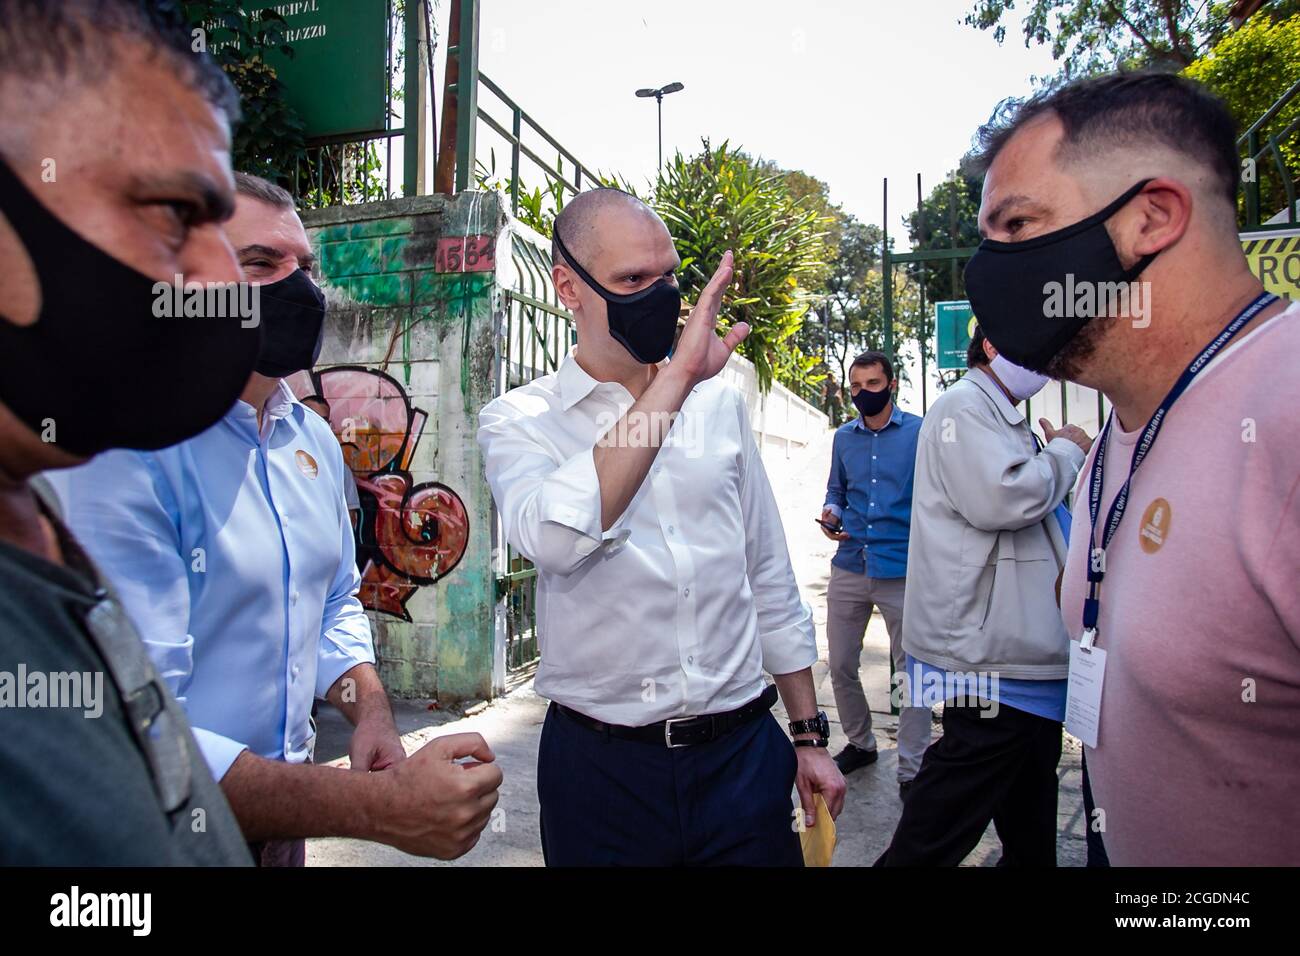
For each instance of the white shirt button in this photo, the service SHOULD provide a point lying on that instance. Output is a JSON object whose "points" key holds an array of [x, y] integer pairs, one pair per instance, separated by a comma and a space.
{"points": [[293, 598], [686, 592], [670, 529]]}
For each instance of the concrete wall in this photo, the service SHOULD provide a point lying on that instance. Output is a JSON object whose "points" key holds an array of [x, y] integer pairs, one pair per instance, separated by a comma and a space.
{"points": [[782, 421], [406, 365]]}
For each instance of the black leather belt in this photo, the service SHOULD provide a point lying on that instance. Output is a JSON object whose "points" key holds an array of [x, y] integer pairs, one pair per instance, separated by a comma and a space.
{"points": [[681, 731]]}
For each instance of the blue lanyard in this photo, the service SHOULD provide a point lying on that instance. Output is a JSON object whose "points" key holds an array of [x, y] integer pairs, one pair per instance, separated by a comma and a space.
{"points": [[1096, 555]]}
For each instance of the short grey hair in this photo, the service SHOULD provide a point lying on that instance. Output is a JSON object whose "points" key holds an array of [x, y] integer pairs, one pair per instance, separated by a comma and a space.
{"points": [[74, 39], [255, 187]]}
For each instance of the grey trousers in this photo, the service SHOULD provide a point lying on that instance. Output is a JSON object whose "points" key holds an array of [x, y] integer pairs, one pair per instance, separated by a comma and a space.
{"points": [[849, 602]]}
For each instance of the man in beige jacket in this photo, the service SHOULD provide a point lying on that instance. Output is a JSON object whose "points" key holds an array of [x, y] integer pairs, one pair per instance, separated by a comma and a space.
{"points": [[981, 627]]}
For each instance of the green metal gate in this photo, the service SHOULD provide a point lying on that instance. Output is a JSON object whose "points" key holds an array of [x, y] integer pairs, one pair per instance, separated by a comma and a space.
{"points": [[538, 334]]}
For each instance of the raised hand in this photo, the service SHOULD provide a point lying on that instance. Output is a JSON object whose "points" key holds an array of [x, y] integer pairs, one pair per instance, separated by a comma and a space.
{"points": [[700, 352]]}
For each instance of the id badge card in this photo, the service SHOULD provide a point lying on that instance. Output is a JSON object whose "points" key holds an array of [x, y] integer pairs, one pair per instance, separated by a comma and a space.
{"points": [[1083, 697]]}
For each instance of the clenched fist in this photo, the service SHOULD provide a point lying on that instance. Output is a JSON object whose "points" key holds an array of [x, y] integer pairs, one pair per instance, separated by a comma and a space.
{"points": [[435, 805]]}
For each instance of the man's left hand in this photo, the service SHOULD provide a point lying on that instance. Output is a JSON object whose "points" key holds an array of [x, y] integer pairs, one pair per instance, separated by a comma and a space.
{"points": [[818, 774], [376, 744]]}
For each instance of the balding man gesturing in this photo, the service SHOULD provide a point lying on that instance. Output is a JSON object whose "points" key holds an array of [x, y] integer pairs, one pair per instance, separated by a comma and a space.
{"points": [[665, 587]]}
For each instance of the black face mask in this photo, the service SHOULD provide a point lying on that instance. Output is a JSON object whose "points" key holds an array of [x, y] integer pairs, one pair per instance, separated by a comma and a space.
{"points": [[1007, 284], [871, 403], [97, 358], [644, 322], [293, 323]]}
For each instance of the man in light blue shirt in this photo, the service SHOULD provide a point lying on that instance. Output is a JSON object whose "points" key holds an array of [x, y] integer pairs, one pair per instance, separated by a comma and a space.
{"points": [[868, 511], [233, 552]]}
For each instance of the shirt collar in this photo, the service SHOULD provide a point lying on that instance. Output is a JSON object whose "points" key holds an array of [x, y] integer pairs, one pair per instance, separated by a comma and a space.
{"points": [[279, 404], [895, 418], [575, 383], [990, 388]]}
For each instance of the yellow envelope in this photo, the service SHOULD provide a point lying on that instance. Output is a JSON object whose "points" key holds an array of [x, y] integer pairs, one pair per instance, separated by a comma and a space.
{"points": [[818, 842]]}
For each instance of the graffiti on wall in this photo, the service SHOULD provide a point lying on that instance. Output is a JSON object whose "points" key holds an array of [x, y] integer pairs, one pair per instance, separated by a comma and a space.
{"points": [[409, 535]]}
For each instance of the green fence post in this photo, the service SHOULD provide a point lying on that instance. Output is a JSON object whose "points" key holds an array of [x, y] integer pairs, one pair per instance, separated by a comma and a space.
{"points": [[887, 275], [466, 94], [412, 104], [518, 129]]}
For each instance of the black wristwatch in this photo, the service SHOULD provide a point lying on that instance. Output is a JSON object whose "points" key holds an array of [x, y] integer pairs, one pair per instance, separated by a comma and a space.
{"points": [[819, 725]]}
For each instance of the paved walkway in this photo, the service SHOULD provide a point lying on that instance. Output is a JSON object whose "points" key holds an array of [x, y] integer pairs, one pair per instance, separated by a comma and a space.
{"points": [[512, 725]]}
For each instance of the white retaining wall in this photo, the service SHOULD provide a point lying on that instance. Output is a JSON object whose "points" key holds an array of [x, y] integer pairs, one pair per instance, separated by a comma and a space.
{"points": [[782, 421]]}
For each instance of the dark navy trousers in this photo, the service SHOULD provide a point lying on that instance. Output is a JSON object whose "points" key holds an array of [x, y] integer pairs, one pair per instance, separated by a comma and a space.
{"points": [[612, 802]]}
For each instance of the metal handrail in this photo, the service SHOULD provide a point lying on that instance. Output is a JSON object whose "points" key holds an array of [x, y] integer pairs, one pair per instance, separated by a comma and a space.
{"points": [[1250, 141], [1270, 113], [469, 80], [541, 131]]}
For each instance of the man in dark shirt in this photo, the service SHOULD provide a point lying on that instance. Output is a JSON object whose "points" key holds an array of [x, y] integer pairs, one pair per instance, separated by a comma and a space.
{"points": [[81, 786], [114, 173]]}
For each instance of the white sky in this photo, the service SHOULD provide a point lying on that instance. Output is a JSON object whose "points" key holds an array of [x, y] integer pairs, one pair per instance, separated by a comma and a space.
{"points": [[850, 92]]}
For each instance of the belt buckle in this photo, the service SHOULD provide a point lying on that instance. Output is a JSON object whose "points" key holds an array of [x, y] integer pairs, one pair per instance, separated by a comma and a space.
{"points": [[668, 731]]}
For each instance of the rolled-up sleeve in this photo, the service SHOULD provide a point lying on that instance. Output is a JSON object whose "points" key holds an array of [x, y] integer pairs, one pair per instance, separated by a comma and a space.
{"points": [[119, 508], [345, 639], [551, 510], [786, 634], [836, 483]]}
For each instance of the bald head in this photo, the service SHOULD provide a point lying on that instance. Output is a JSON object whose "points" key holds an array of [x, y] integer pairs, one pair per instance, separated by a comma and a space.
{"points": [[590, 220], [620, 244]]}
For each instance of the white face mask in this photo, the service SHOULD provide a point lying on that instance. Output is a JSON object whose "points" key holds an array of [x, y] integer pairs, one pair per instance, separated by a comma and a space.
{"points": [[1020, 382]]}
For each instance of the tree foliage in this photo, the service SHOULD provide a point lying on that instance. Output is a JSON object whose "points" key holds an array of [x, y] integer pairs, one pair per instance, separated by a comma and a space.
{"points": [[268, 140], [953, 202], [722, 199], [1250, 68], [808, 273], [1096, 36]]}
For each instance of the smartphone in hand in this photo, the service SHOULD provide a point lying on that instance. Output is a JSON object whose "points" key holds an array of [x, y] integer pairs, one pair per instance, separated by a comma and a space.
{"points": [[832, 528]]}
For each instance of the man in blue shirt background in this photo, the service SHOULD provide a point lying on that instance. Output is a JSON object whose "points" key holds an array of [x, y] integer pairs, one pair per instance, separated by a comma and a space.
{"points": [[869, 502]]}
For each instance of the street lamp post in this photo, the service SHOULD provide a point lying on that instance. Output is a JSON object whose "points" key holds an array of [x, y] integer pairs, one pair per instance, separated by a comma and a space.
{"points": [[659, 95]]}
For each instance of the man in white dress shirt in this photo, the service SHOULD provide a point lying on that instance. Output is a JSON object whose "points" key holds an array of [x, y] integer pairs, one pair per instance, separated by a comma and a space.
{"points": [[665, 587]]}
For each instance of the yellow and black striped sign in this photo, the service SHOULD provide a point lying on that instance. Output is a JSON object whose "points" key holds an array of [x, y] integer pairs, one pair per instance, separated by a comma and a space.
{"points": [[1275, 260]]}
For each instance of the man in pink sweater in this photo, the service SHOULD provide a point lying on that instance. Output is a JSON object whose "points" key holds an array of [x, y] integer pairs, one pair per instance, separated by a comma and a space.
{"points": [[1111, 258]]}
